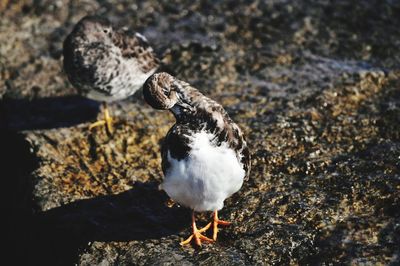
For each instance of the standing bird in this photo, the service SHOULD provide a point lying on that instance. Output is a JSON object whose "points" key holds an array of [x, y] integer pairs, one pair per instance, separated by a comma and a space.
{"points": [[106, 64], [205, 158]]}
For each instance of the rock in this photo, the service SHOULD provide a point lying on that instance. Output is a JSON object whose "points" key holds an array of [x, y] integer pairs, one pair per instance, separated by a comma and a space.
{"points": [[315, 86]]}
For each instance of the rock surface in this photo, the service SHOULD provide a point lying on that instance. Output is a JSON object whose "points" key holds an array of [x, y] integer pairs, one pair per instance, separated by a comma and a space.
{"points": [[314, 84]]}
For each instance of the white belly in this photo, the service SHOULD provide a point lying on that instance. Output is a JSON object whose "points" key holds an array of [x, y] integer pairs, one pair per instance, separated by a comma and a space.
{"points": [[206, 177]]}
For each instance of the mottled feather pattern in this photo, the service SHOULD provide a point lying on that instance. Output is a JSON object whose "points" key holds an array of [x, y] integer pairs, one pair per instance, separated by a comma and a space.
{"points": [[206, 115], [107, 64], [134, 45], [205, 158]]}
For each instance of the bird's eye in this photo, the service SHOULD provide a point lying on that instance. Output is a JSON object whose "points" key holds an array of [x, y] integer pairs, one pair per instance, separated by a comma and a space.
{"points": [[166, 91], [105, 31]]}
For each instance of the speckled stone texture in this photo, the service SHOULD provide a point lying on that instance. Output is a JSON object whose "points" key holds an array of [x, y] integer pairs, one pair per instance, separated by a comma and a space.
{"points": [[314, 84]]}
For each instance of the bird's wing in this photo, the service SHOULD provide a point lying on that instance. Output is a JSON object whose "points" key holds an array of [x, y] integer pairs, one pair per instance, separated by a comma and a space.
{"points": [[135, 45], [176, 144]]}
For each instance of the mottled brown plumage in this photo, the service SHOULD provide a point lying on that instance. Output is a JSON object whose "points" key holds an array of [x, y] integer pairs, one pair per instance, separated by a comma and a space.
{"points": [[195, 112], [205, 158], [104, 63]]}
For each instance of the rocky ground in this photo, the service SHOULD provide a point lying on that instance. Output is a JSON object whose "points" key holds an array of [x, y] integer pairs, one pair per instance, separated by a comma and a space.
{"points": [[314, 84]]}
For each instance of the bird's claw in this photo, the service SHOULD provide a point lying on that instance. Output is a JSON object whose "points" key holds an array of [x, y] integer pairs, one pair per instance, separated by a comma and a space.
{"points": [[198, 237], [106, 121], [215, 223]]}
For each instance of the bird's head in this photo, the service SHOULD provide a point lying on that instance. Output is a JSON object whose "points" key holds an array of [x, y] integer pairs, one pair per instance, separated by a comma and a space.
{"points": [[163, 91], [95, 29], [158, 91]]}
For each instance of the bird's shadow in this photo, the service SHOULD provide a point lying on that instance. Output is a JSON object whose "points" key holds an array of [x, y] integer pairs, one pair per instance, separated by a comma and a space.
{"points": [[46, 113], [137, 214], [57, 236]]}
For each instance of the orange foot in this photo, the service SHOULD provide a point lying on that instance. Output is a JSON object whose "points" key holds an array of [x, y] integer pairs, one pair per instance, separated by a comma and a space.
{"points": [[107, 121], [197, 236], [215, 223]]}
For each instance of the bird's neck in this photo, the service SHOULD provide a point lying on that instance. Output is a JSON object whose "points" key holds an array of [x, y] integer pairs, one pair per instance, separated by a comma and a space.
{"points": [[197, 110]]}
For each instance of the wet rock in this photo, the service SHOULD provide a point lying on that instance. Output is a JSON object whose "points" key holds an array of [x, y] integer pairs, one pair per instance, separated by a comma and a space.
{"points": [[315, 86]]}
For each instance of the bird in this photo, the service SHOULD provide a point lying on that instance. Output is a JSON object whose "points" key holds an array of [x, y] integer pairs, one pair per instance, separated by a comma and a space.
{"points": [[106, 64], [205, 157]]}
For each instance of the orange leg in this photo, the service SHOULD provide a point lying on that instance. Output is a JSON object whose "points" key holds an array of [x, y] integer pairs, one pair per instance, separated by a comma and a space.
{"points": [[198, 237], [107, 121], [216, 222]]}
